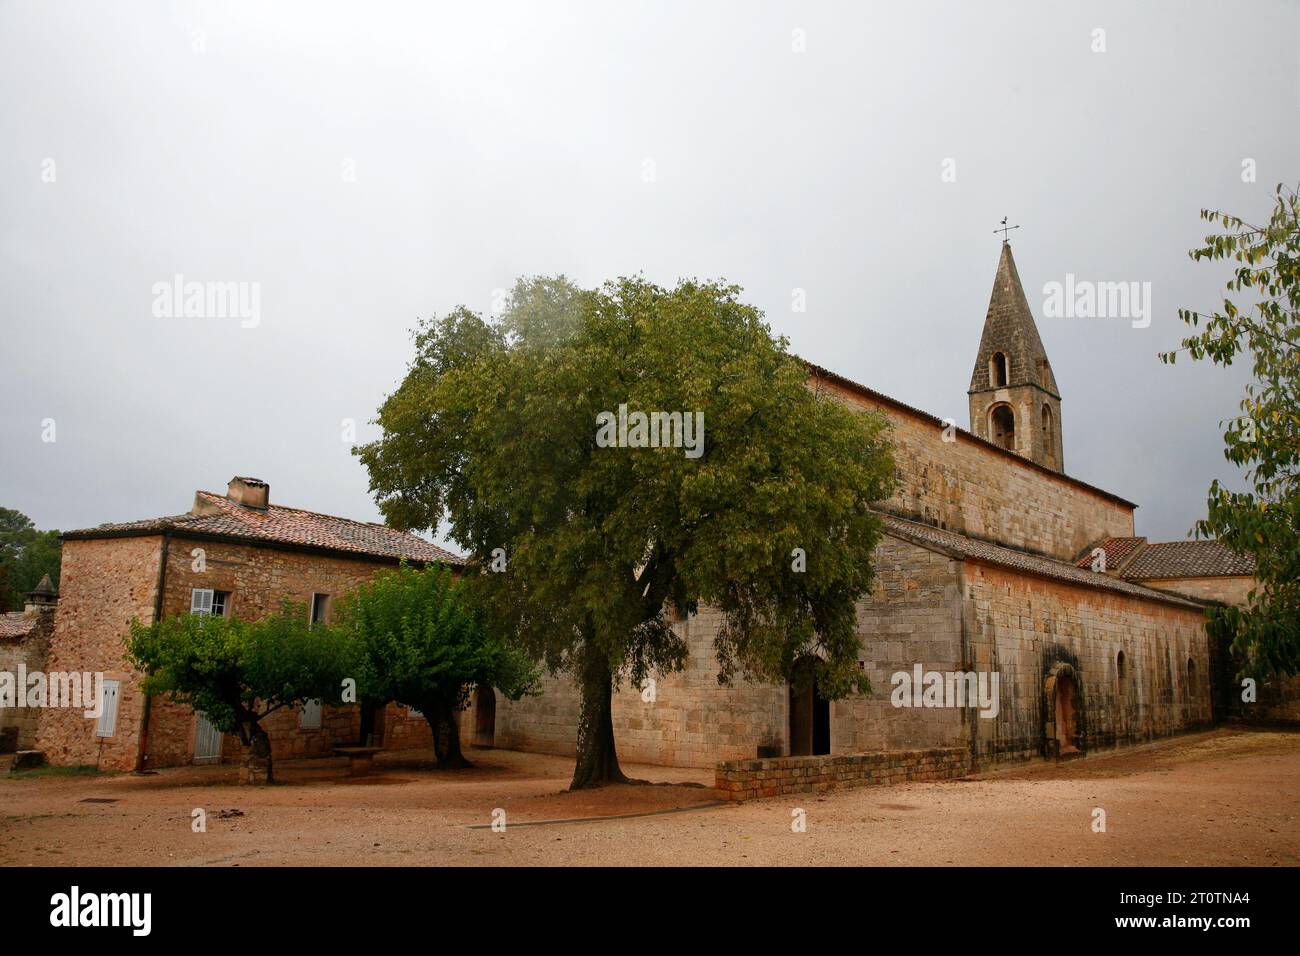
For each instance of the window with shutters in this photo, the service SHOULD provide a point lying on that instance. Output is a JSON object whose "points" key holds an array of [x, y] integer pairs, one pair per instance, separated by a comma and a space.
{"points": [[309, 716], [207, 602], [107, 725]]}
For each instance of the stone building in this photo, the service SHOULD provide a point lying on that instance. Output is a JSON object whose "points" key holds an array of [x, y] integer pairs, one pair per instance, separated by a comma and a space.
{"points": [[976, 575], [233, 554], [24, 642]]}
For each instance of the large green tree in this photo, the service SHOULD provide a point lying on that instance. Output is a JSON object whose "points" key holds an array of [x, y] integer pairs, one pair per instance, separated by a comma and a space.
{"points": [[423, 645], [590, 540], [26, 556], [1264, 440], [238, 672]]}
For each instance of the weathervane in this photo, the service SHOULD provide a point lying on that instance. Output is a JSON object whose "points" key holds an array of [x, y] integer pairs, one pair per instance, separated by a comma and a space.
{"points": [[1004, 228]]}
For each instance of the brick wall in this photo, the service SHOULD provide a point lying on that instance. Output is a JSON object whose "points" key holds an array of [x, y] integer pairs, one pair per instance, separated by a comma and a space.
{"points": [[772, 777]]}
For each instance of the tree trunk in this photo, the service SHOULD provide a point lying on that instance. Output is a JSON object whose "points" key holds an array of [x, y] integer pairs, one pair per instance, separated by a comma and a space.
{"points": [[257, 757], [597, 762], [446, 738]]}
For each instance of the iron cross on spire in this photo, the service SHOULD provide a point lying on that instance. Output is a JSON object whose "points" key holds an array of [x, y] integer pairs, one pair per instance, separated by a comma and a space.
{"points": [[1004, 228]]}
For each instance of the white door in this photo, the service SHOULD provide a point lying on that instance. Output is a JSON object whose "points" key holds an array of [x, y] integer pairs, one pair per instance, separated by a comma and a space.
{"points": [[207, 742]]}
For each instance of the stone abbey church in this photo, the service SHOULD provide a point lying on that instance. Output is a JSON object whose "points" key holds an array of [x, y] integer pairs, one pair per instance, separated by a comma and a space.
{"points": [[988, 567]]}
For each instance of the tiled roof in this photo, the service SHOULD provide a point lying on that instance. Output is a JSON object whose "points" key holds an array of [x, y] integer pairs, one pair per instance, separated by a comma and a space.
{"points": [[960, 546], [15, 625], [1188, 559], [1117, 549], [217, 516]]}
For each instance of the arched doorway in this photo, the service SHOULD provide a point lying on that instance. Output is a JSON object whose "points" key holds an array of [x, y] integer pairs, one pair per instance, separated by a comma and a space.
{"points": [[485, 716], [810, 717], [1067, 715], [1065, 729]]}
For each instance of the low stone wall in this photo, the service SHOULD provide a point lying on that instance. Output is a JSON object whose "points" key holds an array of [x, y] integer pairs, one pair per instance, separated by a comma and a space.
{"points": [[774, 776]]}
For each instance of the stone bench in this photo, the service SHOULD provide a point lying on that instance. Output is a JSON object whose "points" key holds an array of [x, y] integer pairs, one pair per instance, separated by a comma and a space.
{"points": [[361, 760]]}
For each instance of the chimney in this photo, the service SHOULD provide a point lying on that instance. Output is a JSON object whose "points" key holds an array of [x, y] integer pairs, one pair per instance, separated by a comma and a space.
{"points": [[44, 597], [249, 492]]}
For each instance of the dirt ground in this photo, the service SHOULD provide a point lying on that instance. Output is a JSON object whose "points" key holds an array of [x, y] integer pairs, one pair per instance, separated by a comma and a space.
{"points": [[1226, 797]]}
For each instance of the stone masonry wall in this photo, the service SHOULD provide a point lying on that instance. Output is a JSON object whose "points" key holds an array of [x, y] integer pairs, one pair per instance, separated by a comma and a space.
{"points": [[1028, 628], [107, 582], [978, 491], [772, 777], [30, 651], [691, 721], [1228, 588], [103, 584], [914, 614]]}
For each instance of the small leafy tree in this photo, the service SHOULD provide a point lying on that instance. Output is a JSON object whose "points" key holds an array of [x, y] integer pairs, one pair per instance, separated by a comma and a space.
{"points": [[422, 644], [237, 672], [590, 548], [1265, 439]]}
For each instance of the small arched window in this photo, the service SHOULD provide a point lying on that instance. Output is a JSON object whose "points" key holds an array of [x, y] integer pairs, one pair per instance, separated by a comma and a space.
{"points": [[1002, 427], [1121, 666], [1191, 677], [999, 369]]}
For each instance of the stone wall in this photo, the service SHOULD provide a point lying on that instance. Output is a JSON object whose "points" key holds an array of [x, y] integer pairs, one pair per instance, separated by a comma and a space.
{"points": [[18, 724], [106, 582], [772, 777], [1228, 588], [913, 614], [945, 615], [685, 719], [983, 492], [1030, 630], [103, 585]]}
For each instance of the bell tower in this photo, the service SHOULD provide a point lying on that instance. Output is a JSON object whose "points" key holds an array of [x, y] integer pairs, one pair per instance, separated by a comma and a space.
{"points": [[1014, 401]]}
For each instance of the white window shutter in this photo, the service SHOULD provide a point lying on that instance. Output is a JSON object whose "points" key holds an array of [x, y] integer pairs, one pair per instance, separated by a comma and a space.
{"points": [[201, 601], [310, 717], [108, 715]]}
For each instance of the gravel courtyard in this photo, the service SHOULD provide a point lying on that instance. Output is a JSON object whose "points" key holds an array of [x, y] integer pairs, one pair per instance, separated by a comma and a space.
{"points": [[1226, 797]]}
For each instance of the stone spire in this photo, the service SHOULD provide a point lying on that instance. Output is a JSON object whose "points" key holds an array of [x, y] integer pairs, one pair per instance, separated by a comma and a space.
{"points": [[1014, 400]]}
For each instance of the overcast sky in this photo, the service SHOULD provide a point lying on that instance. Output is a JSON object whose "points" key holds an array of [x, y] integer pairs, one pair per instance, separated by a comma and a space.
{"points": [[367, 164]]}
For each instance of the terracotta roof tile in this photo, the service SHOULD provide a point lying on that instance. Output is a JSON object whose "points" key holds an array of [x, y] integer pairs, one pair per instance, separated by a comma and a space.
{"points": [[15, 625], [217, 515], [1188, 559], [1117, 549]]}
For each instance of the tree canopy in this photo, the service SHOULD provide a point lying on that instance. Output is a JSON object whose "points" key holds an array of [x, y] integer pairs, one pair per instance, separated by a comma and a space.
{"points": [[612, 458], [237, 672], [421, 643], [26, 555], [1265, 439]]}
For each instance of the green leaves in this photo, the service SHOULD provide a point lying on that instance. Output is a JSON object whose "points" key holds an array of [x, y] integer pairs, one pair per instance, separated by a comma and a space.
{"points": [[494, 431], [236, 672], [421, 643], [26, 555], [1265, 440]]}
